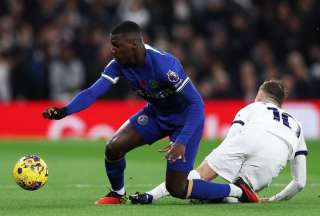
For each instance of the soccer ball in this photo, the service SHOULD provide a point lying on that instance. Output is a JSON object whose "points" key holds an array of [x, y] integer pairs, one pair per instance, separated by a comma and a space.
{"points": [[30, 172]]}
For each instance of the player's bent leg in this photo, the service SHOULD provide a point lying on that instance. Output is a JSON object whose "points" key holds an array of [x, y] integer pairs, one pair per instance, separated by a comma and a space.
{"points": [[261, 167], [179, 186], [124, 140], [177, 183], [205, 190], [205, 171], [177, 172]]}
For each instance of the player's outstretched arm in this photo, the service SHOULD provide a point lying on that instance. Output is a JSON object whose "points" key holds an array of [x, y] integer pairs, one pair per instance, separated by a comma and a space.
{"points": [[299, 174], [80, 102]]}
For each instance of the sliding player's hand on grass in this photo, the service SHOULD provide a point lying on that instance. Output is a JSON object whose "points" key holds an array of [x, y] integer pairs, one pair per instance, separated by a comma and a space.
{"points": [[265, 200], [54, 113], [174, 152]]}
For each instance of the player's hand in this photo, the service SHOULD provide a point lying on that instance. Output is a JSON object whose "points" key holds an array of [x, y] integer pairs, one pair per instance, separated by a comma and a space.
{"points": [[174, 152], [54, 113]]}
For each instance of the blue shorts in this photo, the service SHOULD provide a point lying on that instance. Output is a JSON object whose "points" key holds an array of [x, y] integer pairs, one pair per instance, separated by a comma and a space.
{"points": [[152, 127]]}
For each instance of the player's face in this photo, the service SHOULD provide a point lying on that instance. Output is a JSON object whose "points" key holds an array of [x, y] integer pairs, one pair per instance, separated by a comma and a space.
{"points": [[122, 50]]}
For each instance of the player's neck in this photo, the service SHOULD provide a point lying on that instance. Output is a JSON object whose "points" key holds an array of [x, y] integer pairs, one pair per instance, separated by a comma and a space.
{"points": [[269, 100], [141, 55]]}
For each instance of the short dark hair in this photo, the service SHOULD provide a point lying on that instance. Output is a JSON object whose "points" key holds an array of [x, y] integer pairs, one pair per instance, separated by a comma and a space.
{"points": [[126, 27], [275, 90]]}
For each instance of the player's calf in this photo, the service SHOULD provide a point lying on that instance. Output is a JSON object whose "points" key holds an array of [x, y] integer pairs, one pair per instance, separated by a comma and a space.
{"points": [[113, 152], [177, 183], [178, 191], [114, 167]]}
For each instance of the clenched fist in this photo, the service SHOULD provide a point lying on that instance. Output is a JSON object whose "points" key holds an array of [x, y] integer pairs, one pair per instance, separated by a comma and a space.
{"points": [[54, 113]]}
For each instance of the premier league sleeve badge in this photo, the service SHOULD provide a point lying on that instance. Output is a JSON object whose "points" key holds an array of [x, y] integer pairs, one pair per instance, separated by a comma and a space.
{"points": [[173, 76]]}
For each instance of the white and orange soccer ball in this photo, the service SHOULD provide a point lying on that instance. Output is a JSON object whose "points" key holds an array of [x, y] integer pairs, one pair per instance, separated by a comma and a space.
{"points": [[30, 172]]}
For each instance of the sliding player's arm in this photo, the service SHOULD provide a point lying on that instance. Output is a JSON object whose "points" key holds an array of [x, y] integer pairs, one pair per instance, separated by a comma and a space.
{"points": [[299, 174], [88, 96]]}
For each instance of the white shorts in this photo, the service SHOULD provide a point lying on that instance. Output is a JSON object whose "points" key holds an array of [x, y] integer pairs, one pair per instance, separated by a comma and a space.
{"points": [[255, 155]]}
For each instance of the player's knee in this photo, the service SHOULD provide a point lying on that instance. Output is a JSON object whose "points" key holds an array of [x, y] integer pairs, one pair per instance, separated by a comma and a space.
{"points": [[194, 174], [178, 191], [112, 151]]}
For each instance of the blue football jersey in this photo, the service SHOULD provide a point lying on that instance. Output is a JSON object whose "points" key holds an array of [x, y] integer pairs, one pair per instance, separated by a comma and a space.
{"points": [[159, 81], [162, 82]]}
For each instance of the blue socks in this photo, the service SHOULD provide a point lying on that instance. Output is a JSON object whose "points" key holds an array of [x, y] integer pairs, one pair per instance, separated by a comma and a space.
{"points": [[115, 170], [201, 189], [209, 190]]}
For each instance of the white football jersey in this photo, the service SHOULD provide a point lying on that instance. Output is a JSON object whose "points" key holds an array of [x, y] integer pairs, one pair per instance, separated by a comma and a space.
{"points": [[269, 117]]}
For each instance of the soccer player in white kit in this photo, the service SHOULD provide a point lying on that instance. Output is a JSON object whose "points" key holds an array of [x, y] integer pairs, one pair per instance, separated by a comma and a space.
{"points": [[262, 138]]}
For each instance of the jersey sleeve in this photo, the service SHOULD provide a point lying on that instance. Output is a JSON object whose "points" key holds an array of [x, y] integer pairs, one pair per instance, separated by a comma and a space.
{"points": [[111, 72], [175, 76], [88, 96], [176, 79], [242, 116], [195, 115], [299, 175], [302, 147]]}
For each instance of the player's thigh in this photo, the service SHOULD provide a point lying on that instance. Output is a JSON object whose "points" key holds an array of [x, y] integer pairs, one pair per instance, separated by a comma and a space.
{"points": [[263, 165], [146, 125], [140, 129], [206, 172], [227, 159], [178, 171], [125, 139], [177, 183]]}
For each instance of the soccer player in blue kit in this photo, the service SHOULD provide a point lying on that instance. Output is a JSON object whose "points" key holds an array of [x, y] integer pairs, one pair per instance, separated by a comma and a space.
{"points": [[174, 109]]}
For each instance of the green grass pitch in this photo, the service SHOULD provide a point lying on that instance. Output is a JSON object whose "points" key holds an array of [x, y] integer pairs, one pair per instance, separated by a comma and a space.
{"points": [[77, 179]]}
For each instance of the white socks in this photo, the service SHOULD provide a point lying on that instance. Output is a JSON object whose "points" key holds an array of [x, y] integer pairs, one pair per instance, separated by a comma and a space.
{"points": [[120, 192], [193, 174], [159, 191], [235, 191]]}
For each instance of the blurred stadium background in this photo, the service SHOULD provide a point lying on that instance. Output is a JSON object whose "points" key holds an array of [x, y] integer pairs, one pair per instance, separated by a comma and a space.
{"points": [[51, 49]]}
